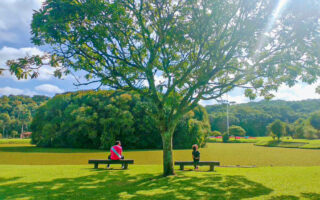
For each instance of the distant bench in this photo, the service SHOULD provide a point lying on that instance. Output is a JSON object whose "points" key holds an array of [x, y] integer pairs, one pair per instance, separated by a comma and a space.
{"points": [[124, 162], [201, 163]]}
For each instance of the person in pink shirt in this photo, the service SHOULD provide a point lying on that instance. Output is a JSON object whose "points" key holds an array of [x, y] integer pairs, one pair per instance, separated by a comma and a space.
{"points": [[116, 152]]}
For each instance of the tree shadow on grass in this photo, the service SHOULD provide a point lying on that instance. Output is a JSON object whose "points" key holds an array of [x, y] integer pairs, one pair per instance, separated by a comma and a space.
{"points": [[5, 180], [309, 196], [285, 197], [107, 184]]}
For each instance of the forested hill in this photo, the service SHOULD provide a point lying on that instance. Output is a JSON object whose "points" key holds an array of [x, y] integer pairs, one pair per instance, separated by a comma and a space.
{"points": [[255, 116], [16, 113]]}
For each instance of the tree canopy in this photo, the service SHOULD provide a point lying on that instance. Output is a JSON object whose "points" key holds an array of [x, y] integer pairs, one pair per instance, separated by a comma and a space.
{"points": [[277, 129], [16, 113], [89, 119], [178, 52], [236, 131]]}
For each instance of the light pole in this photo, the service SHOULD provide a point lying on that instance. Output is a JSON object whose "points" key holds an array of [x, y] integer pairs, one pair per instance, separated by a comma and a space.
{"points": [[228, 103]]}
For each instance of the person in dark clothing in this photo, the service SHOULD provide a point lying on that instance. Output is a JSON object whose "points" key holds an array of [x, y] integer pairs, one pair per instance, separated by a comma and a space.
{"points": [[195, 156]]}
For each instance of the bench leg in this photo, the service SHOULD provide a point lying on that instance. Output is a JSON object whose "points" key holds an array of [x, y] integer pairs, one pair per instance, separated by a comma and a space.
{"points": [[96, 165], [211, 167], [125, 166], [181, 167]]}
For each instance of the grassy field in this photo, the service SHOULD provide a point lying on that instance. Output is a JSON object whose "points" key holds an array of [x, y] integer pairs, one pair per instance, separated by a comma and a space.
{"points": [[29, 172], [227, 154], [286, 142], [233, 140], [15, 141], [289, 143], [146, 182]]}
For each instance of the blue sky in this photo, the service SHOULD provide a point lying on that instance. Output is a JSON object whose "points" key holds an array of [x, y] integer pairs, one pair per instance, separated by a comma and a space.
{"points": [[15, 18]]}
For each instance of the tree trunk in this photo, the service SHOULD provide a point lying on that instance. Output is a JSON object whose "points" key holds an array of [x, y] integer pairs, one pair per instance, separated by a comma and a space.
{"points": [[22, 129], [167, 154]]}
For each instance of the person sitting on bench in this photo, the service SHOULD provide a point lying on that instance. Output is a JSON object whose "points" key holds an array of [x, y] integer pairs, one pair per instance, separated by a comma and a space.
{"points": [[195, 156], [116, 153]]}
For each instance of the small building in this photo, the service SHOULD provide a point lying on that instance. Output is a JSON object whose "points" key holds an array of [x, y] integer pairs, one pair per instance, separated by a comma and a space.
{"points": [[25, 135]]}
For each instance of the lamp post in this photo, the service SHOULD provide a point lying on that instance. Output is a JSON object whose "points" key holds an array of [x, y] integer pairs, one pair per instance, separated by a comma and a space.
{"points": [[228, 103]]}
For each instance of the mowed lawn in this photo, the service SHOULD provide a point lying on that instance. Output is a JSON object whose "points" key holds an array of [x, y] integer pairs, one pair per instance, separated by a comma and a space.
{"points": [[145, 182], [28, 172], [227, 154]]}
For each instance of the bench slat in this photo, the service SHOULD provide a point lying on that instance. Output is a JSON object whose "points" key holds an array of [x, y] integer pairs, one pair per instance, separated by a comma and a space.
{"points": [[111, 161], [200, 163]]}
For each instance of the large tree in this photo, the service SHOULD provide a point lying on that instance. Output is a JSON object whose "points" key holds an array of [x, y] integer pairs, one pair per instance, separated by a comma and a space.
{"points": [[277, 129], [178, 52]]}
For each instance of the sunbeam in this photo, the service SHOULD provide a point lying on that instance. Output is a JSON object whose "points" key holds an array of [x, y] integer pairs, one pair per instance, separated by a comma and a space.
{"points": [[275, 15]]}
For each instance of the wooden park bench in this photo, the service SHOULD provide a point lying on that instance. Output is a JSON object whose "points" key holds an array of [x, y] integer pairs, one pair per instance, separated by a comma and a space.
{"points": [[201, 163], [124, 162]]}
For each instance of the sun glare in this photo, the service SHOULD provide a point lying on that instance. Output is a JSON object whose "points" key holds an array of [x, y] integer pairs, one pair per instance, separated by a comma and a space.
{"points": [[270, 25]]}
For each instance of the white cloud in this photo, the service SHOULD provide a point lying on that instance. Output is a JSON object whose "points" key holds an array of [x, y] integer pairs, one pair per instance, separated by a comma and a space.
{"points": [[234, 99], [15, 91], [8, 53], [15, 19], [48, 88], [298, 92]]}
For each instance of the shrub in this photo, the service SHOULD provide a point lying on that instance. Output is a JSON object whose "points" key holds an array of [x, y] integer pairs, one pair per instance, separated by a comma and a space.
{"points": [[310, 133], [236, 131], [215, 133], [14, 134], [225, 137]]}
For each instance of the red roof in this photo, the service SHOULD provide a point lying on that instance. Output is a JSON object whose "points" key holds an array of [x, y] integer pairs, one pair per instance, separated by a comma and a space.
{"points": [[27, 133]]}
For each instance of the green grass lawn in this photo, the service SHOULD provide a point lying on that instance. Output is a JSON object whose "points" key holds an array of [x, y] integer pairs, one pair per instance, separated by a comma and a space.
{"points": [[286, 142], [29, 172], [146, 182], [233, 140], [227, 154], [289, 143], [15, 141]]}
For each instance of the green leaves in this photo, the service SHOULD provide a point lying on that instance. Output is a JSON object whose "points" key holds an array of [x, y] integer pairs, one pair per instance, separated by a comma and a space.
{"points": [[203, 49], [250, 93], [236, 131], [97, 119], [277, 128], [315, 120]]}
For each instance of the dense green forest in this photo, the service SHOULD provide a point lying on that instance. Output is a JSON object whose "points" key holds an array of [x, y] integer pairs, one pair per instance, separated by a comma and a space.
{"points": [[90, 119], [16, 113], [96, 119], [254, 117]]}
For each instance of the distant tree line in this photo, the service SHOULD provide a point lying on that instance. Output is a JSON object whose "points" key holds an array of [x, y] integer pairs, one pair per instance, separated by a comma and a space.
{"points": [[16, 113], [308, 128], [85, 119], [96, 119], [256, 117]]}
